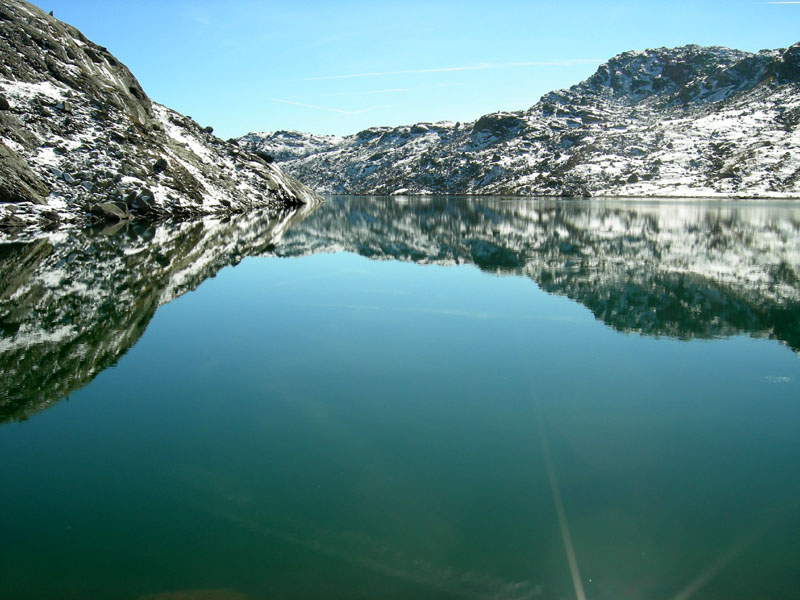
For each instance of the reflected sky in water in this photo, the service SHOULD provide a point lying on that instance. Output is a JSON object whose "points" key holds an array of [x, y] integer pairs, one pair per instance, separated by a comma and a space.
{"points": [[366, 406]]}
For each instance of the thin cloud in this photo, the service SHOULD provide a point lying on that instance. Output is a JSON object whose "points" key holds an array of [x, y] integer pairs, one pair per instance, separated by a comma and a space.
{"points": [[476, 67], [351, 93], [390, 91], [331, 109]]}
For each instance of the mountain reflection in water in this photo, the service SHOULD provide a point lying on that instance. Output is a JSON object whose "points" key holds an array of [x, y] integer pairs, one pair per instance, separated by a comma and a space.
{"points": [[678, 269], [72, 303]]}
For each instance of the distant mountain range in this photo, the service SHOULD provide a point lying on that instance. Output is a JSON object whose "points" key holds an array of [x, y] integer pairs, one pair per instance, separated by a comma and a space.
{"points": [[80, 140], [687, 121]]}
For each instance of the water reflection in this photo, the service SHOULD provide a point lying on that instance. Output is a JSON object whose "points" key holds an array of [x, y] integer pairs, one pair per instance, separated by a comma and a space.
{"points": [[72, 304], [679, 269], [470, 436]]}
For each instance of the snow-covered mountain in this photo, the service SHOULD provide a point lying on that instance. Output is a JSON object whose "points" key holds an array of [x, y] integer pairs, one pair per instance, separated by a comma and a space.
{"points": [[79, 137], [290, 145], [687, 121]]}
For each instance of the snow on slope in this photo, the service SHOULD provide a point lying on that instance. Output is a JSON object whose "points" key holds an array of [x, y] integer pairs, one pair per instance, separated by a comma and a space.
{"points": [[79, 137], [688, 121], [290, 145]]}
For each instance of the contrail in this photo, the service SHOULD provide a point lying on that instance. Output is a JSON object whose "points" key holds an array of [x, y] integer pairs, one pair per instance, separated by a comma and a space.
{"points": [[475, 67], [562, 515], [329, 109]]}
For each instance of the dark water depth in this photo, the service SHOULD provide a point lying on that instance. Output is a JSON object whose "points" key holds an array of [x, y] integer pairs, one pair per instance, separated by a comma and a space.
{"points": [[497, 399]]}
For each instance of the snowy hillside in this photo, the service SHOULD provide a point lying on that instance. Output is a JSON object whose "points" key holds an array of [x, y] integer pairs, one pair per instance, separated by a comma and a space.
{"points": [[688, 121], [290, 145], [80, 139]]}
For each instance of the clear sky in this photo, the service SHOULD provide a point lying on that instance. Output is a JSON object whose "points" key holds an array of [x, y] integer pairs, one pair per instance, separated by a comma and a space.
{"points": [[339, 67]]}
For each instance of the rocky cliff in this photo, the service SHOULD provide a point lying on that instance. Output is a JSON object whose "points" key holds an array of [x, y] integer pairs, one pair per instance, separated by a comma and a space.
{"points": [[688, 121], [80, 139]]}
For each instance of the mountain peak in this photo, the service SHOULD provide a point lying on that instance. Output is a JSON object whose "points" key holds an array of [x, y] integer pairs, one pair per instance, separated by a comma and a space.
{"points": [[788, 65], [663, 72], [685, 121]]}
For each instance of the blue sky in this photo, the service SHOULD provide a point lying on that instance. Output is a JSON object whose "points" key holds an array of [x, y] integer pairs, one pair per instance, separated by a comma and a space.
{"points": [[339, 67]]}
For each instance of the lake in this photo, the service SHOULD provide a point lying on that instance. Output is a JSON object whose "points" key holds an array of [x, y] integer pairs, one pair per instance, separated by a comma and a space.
{"points": [[493, 398]]}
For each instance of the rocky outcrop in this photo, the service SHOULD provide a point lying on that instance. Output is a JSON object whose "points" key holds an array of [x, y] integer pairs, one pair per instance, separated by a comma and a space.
{"points": [[688, 121], [80, 140], [17, 182]]}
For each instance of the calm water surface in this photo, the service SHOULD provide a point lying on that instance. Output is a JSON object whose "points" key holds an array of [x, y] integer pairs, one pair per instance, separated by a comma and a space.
{"points": [[423, 398]]}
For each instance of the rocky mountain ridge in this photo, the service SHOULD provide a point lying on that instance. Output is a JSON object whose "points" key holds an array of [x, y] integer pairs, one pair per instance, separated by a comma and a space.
{"points": [[688, 121], [80, 140]]}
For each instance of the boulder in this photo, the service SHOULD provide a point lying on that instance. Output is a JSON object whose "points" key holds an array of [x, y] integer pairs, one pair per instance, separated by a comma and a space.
{"points": [[267, 158], [160, 165], [17, 182], [144, 202], [110, 211]]}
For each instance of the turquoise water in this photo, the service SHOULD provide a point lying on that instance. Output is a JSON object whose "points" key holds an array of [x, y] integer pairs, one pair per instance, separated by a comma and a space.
{"points": [[396, 399]]}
